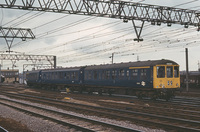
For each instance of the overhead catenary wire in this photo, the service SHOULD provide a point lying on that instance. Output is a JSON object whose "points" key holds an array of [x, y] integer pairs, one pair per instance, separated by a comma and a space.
{"points": [[151, 45], [158, 37]]}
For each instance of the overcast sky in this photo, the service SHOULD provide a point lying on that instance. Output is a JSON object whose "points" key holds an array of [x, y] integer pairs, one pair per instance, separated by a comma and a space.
{"points": [[87, 40]]}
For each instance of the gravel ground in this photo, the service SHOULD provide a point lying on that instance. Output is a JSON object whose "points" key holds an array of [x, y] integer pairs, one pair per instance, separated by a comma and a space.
{"points": [[39, 125]]}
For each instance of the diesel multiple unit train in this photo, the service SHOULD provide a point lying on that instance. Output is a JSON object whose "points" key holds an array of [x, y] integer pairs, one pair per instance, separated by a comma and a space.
{"points": [[155, 78]]}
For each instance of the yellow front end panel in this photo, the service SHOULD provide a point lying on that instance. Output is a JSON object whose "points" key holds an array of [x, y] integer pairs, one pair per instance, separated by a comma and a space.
{"points": [[164, 82]]}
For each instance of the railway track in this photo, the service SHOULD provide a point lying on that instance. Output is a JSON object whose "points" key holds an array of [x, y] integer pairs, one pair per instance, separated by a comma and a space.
{"points": [[77, 122], [3, 129], [165, 121]]}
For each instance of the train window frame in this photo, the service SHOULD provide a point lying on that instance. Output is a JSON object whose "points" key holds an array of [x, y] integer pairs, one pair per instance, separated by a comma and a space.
{"points": [[107, 74], [134, 74], [103, 75], [72, 75], [121, 73], [100, 74], [89, 75], [95, 75], [160, 74], [44, 76], [76, 75], [113, 74], [85, 75], [169, 70], [177, 72], [68, 76], [128, 74], [143, 74], [59, 75], [65, 75]]}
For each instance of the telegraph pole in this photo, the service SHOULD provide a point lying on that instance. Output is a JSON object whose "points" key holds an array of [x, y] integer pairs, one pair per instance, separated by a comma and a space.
{"points": [[112, 57], [186, 53], [54, 60]]}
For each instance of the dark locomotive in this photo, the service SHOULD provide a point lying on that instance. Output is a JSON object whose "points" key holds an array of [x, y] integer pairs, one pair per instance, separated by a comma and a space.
{"points": [[194, 79], [155, 79]]}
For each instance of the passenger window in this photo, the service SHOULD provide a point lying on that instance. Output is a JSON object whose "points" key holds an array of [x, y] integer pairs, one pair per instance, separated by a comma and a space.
{"points": [[103, 75], [169, 71], [68, 75], [127, 74], [160, 71], [65, 76], [113, 74], [90, 75], [100, 75], [121, 73], [176, 71], [134, 74], [85, 75], [107, 74], [143, 73], [95, 74]]}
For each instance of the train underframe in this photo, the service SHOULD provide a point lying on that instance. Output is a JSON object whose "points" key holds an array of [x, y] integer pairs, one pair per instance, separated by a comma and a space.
{"points": [[141, 93]]}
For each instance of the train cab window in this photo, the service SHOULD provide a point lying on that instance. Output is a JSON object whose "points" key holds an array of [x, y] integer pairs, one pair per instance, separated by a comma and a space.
{"points": [[176, 71], [169, 71], [160, 71]]}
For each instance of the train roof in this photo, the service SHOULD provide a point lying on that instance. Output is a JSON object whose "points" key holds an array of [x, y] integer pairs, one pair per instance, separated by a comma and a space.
{"points": [[62, 69], [132, 64], [112, 66]]}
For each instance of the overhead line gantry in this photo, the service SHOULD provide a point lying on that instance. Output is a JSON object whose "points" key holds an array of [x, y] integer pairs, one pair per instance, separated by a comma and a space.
{"points": [[9, 34], [113, 9], [34, 58]]}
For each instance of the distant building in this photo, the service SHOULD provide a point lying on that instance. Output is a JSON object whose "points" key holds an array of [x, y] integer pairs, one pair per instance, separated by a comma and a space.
{"points": [[11, 76]]}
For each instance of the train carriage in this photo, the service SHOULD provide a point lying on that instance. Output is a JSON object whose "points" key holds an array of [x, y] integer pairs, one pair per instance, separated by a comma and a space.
{"points": [[33, 78], [61, 78], [140, 77], [157, 78]]}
